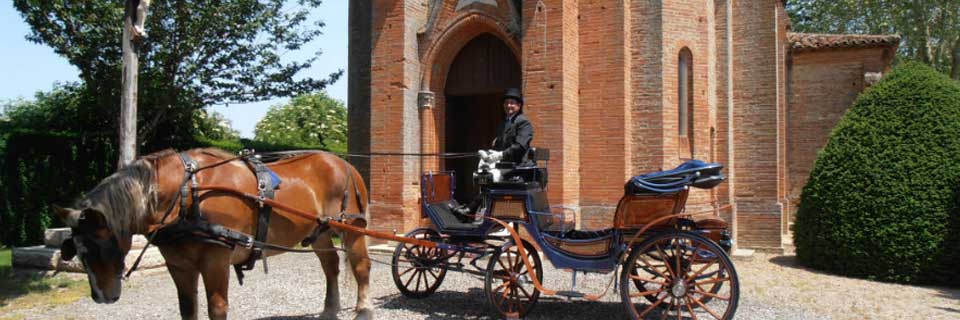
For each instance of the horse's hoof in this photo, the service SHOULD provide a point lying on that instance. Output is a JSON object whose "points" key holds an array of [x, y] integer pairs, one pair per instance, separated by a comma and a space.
{"points": [[330, 313], [364, 314]]}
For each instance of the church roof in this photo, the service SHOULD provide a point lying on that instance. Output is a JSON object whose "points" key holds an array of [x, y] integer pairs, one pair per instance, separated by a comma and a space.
{"points": [[816, 41]]}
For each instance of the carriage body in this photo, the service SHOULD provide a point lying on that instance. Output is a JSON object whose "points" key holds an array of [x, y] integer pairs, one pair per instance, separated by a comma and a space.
{"points": [[649, 225]]}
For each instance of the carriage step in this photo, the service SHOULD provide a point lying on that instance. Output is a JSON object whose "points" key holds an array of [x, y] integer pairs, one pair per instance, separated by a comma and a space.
{"points": [[570, 294]]}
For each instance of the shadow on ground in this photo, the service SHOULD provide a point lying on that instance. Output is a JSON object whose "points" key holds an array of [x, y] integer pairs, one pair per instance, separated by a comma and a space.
{"points": [[444, 305]]}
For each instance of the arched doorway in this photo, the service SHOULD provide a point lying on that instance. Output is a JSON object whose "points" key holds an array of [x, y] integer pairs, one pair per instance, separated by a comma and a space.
{"points": [[478, 76]]}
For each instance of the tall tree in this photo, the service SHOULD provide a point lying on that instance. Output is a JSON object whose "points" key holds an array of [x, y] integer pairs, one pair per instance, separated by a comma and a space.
{"points": [[196, 53], [313, 120], [930, 29]]}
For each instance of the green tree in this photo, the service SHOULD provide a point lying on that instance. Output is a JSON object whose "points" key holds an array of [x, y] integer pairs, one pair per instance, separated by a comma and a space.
{"points": [[883, 198], [930, 29], [213, 125], [196, 53], [313, 120]]}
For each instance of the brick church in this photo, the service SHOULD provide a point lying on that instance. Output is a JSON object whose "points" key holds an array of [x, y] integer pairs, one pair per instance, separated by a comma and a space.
{"points": [[613, 88]]}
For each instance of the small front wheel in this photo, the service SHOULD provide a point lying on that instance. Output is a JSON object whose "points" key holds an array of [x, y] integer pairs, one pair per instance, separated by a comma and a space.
{"points": [[418, 271], [509, 285], [679, 274]]}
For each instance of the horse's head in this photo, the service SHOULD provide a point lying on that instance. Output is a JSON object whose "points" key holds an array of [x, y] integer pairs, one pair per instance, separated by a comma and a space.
{"points": [[99, 249]]}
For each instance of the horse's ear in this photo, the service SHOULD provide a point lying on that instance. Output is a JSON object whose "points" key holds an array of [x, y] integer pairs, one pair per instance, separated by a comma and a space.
{"points": [[93, 218], [67, 215]]}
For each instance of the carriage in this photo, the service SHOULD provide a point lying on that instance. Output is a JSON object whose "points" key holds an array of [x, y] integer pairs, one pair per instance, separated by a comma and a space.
{"points": [[220, 215], [669, 262]]}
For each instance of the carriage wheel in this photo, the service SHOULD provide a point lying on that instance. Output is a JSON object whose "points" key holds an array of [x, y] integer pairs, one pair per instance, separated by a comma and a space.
{"points": [[418, 271], [508, 285], [658, 266], [679, 274]]}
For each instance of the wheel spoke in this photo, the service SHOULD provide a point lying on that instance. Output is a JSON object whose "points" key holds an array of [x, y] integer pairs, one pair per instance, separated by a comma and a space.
{"points": [[652, 306], [699, 272], [435, 276], [716, 280], [652, 268], [693, 315], [662, 283], [712, 313], [712, 295], [525, 293], [645, 293], [664, 256], [407, 284], [405, 272]]}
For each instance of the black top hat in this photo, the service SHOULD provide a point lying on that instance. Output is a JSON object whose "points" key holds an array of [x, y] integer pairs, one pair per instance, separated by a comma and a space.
{"points": [[513, 93]]}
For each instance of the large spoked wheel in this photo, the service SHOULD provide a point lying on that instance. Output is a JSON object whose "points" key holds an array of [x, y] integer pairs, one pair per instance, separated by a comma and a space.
{"points": [[509, 283], [682, 275], [418, 271]]}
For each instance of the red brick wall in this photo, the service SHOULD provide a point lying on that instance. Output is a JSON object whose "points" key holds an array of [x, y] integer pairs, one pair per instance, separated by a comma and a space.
{"points": [[551, 83], [394, 122], [823, 85], [603, 109], [687, 24], [756, 106]]}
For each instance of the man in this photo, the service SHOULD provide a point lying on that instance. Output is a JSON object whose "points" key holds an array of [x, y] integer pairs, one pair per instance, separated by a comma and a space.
{"points": [[514, 133], [512, 143]]}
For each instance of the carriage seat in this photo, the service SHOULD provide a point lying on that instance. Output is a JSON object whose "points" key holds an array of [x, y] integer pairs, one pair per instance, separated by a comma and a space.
{"points": [[514, 176], [694, 173], [447, 219]]}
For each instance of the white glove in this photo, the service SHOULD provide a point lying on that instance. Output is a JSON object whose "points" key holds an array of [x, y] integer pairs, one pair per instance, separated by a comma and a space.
{"points": [[484, 155], [495, 156]]}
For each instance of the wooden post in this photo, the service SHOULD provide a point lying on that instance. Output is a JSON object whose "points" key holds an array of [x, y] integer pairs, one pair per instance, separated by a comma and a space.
{"points": [[134, 14]]}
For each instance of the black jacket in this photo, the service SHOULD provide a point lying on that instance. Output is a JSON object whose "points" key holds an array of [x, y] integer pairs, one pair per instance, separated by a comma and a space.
{"points": [[513, 138]]}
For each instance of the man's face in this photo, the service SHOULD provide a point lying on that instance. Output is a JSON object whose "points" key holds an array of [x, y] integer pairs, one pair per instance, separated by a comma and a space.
{"points": [[511, 106]]}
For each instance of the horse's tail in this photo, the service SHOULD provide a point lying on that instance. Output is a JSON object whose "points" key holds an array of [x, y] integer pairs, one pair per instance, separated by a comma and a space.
{"points": [[361, 194]]}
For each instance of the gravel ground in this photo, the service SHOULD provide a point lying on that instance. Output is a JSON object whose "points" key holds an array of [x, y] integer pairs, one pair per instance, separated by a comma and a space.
{"points": [[294, 290]]}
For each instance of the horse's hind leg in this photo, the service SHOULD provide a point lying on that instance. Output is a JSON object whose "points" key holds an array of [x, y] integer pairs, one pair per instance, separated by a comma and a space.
{"points": [[186, 281], [330, 262], [360, 265]]}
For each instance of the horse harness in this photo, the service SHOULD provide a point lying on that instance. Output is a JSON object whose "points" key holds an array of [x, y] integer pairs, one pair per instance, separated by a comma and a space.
{"points": [[193, 225]]}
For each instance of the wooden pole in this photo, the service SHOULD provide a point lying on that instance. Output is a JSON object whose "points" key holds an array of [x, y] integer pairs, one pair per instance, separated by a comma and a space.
{"points": [[133, 17]]}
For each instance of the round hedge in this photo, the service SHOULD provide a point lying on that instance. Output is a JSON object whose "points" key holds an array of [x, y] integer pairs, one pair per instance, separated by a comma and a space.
{"points": [[881, 202]]}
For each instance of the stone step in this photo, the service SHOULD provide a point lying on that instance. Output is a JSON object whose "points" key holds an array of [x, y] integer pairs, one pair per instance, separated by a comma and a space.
{"points": [[47, 258], [54, 238]]}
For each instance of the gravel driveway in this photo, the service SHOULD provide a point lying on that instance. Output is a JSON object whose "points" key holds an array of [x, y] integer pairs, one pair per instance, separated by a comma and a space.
{"points": [[294, 290]]}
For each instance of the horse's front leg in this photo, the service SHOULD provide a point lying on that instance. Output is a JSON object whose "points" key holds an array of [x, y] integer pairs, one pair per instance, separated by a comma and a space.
{"points": [[215, 269], [186, 281]]}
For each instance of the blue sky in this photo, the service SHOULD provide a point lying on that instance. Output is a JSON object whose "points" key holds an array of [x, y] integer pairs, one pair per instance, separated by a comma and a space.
{"points": [[26, 68]]}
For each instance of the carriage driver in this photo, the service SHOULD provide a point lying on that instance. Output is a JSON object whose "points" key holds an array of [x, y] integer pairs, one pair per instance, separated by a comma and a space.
{"points": [[512, 143]]}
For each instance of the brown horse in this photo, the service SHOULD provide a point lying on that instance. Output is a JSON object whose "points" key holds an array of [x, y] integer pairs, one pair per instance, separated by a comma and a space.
{"points": [[134, 200]]}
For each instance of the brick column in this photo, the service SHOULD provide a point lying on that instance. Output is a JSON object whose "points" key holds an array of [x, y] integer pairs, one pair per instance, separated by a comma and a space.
{"points": [[646, 86], [551, 83], [604, 108], [756, 118], [394, 117]]}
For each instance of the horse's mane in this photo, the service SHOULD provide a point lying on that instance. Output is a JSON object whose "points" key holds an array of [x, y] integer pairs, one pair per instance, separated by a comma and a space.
{"points": [[126, 196]]}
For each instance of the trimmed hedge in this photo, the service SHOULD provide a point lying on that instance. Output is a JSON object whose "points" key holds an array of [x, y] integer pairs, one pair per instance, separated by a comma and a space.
{"points": [[882, 199]]}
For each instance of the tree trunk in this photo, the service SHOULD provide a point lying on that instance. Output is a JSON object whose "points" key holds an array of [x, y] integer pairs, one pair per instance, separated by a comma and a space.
{"points": [[955, 70], [135, 12]]}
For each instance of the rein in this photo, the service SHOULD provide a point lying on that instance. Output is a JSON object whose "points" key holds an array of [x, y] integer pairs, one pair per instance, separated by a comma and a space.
{"points": [[232, 238]]}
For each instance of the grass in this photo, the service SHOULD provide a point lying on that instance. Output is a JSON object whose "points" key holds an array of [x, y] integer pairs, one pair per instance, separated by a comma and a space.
{"points": [[19, 291]]}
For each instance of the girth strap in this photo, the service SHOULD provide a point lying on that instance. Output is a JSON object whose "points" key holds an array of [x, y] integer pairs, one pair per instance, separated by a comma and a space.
{"points": [[265, 189]]}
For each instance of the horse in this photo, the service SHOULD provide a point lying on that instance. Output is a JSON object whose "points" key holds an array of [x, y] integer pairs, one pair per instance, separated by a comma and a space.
{"points": [[137, 198]]}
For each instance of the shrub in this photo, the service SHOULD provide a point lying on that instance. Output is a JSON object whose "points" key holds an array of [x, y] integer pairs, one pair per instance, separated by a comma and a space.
{"points": [[882, 198]]}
